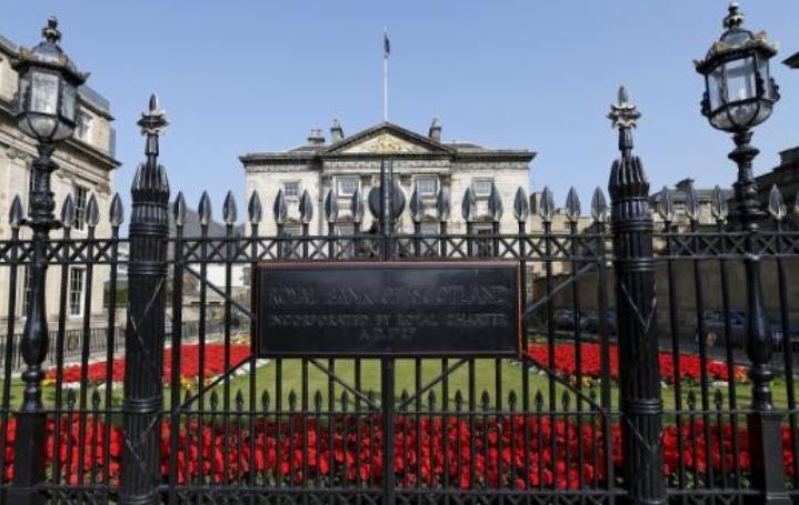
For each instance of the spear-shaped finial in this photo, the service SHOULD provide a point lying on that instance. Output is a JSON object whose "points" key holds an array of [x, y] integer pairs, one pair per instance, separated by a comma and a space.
{"points": [[152, 123], [154, 120], [624, 116]]}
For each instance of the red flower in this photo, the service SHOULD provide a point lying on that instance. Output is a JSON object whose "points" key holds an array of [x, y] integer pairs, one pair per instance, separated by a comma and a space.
{"points": [[213, 364], [566, 364]]}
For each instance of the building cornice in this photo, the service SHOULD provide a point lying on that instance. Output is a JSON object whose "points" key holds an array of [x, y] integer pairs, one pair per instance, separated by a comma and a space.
{"points": [[95, 155], [522, 156], [8, 47], [384, 156], [290, 158], [92, 106]]}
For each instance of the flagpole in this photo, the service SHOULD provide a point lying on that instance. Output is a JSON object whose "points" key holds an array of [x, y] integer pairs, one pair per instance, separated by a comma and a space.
{"points": [[385, 77]]}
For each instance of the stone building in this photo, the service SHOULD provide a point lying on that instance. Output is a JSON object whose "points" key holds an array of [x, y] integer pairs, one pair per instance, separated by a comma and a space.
{"points": [[680, 195], [86, 164], [347, 163], [786, 177]]}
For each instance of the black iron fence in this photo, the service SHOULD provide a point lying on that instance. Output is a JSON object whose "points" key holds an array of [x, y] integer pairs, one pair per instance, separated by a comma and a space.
{"points": [[99, 341], [647, 371]]}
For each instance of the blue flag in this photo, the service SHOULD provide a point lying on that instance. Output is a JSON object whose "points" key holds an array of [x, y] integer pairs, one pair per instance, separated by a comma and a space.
{"points": [[386, 45]]}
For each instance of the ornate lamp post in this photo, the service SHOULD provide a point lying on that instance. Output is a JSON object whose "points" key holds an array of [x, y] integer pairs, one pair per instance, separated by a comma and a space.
{"points": [[46, 109], [739, 95]]}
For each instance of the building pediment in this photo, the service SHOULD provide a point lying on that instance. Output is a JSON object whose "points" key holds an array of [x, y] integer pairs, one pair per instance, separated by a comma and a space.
{"points": [[386, 138]]}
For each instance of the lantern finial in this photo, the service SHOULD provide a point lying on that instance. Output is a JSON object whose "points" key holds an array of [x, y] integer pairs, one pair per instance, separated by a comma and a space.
{"points": [[735, 18], [50, 32]]}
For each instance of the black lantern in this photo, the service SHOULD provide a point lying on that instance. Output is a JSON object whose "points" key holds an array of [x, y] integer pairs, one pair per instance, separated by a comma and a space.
{"points": [[46, 109], [739, 94], [46, 102]]}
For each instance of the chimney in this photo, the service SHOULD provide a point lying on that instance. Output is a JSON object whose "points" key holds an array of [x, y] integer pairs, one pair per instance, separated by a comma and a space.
{"points": [[685, 184], [336, 132], [315, 138], [435, 131]]}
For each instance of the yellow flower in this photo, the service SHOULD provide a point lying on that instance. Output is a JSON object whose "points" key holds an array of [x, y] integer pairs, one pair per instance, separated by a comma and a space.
{"points": [[186, 383]]}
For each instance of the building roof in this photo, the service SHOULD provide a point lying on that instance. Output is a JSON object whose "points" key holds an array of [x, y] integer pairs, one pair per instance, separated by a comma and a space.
{"points": [[680, 193], [192, 228], [422, 146], [8, 45]]}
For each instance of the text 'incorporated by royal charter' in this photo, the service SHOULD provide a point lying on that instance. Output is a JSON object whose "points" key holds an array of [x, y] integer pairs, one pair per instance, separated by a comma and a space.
{"points": [[394, 309]]}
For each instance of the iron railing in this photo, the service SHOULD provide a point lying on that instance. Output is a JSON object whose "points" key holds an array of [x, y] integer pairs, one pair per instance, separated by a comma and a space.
{"points": [[634, 403]]}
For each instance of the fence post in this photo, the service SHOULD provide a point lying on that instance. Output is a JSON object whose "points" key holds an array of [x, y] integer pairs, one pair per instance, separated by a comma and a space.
{"points": [[763, 423], [144, 340], [639, 381]]}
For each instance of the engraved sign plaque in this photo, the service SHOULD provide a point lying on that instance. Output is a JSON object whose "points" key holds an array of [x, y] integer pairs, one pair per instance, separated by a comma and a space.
{"points": [[388, 309]]}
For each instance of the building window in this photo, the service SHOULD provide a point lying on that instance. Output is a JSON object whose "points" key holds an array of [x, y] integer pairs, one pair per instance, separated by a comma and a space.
{"points": [[346, 186], [291, 189], [484, 247], [482, 187], [84, 126], [80, 195], [430, 239], [345, 243], [76, 286], [290, 248], [428, 186]]}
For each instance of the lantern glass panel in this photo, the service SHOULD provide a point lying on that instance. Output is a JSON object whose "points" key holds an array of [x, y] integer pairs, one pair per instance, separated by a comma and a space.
{"points": [[715, 87], [23, 96], [68, 102], [743, 115], [41, 127], [762, 70], [763, 112], [44, 89], [740, 83], [63, 131], [736, 37], [721, 120]]}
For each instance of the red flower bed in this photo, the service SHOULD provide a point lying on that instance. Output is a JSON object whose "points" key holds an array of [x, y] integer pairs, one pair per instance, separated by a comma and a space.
{"points": [[562, 455], [565, 363], [189, 364]]}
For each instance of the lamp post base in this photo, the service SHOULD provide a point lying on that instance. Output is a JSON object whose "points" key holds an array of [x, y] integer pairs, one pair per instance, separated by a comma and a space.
{"points": [[29, 461], [765, 451]]}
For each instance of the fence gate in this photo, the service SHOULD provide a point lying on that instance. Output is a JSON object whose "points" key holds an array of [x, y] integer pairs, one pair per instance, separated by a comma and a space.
{"points": [[388, 368]]}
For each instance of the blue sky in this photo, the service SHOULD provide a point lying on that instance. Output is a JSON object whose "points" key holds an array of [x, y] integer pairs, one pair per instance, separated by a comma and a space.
{"points": [[243, 76]]}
